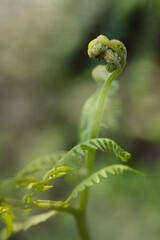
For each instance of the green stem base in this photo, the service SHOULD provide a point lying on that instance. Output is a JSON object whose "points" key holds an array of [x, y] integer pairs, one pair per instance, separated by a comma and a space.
{"points": [[82, 227]]}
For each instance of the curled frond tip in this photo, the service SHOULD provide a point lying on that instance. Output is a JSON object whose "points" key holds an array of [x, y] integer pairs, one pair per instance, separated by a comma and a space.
{"points": [[112, 51]]}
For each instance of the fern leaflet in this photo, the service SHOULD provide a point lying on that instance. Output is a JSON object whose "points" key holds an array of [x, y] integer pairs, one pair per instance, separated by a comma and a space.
{"points": [[103, 173], [7, 216], [28, 222], [102, 144]]}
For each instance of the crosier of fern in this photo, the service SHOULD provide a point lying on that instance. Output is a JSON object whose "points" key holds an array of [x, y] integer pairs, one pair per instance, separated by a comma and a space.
{"points": [[23, 191]]}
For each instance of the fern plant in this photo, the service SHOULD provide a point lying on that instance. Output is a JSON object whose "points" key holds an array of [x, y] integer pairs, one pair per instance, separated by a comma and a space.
{"points": [[21, 194]]}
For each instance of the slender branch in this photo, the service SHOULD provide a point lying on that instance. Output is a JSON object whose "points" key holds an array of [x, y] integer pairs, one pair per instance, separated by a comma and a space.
{"points": [[96, 127], [99, 109], [43, 205], [50, 205]]}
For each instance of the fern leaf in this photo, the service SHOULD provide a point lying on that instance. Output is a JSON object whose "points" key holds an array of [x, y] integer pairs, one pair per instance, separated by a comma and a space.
{"points": [[19, 182], [87, 116], [102, 144], [111, 113], [37, 185], [40, 164], [55, 173], [103, 173], [29, 222], [7, 216]]}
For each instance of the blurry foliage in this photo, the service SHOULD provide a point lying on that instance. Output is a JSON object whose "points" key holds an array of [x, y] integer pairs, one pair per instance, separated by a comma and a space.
{"points": [[132, 208], [126, 210], [45, 79]]}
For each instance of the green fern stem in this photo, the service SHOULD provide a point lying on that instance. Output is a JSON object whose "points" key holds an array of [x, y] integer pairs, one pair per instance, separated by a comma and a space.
{"points": [[99, 112], [80, 218], [94, 132]]}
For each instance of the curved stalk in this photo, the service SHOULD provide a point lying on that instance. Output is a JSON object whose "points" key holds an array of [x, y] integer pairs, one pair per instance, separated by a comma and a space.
{"points": [[94, 132], [96, 128], [114, 53]]}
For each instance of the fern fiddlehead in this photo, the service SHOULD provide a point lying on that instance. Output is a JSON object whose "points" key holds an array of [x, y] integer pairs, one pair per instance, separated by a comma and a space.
{"points": [[112, 51]]}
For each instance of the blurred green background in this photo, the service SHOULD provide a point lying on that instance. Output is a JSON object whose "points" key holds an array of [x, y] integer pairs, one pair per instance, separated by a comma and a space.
{"points": [[45, 78]]}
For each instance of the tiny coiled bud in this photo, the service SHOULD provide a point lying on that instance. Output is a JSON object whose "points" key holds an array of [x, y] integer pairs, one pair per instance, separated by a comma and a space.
{"points": [[100, 74], [112, 51]]}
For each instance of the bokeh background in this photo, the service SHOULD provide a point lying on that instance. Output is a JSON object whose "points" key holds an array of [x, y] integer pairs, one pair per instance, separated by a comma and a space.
{"points": [[45, 78]]}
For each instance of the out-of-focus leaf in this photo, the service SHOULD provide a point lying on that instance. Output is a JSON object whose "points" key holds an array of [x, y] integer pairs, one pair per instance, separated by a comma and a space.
{"points": [[40, 164], [29, 222], [7, 216], [100, 73]]}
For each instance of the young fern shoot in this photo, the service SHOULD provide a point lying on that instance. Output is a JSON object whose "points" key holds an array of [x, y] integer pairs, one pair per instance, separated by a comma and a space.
{"points": [[39, 175]]}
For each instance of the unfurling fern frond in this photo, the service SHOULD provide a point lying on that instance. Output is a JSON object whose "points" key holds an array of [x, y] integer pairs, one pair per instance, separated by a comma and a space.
{"points": [[31, 176], [38, 185], [103, 173], [102, 144], [55, 173]]}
